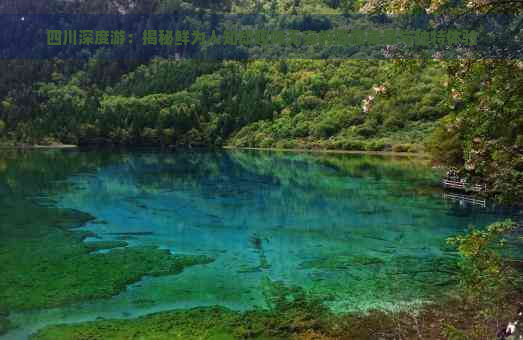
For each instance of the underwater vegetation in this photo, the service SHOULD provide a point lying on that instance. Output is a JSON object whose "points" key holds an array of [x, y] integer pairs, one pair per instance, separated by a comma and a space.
{"points": [[104, 245], [310, 246], [54, 267], [291, 310], [295, 314], [46, 263], [471, 312]]}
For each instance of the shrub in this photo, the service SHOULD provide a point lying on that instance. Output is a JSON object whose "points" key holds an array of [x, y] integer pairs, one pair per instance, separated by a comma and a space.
{"points": [[150, 136], [267, 142], [446, 144], [87, 131], [507, 180], [2, 127], [48, 141], [519, 139], [394, 122], [193, 138], [356, 119], [375, 146], [402, 148], [286, 144], [310, 22], [350, 145], [301, 129], [309, 102], [484, 278], [120, 136], [366, 131], [325, 128], [337, 144], [167, 136]]}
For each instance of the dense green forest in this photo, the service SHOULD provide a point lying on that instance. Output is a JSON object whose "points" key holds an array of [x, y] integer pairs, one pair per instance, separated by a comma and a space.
{"points": [[466, 113]]}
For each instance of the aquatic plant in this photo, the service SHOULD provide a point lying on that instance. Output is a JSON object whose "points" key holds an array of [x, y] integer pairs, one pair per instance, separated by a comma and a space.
{"points": [[61, 270], [292, 312]]}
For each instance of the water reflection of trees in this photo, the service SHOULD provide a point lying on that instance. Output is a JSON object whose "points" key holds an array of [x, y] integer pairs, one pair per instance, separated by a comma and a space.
{"points": [[277, 186], [30, 170], [25, 173]]}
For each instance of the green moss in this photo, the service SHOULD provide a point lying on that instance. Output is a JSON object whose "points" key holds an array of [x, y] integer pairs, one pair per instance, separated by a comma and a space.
{"points": [[292, 311], [45, 264], [200, 323], [293, 314], [214, 323], [60, 270], [342, 262]]}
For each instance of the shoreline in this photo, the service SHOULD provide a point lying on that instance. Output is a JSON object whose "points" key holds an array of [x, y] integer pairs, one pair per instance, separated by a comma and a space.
{"points": [[230, 147], [40, 147], [350, 152]]}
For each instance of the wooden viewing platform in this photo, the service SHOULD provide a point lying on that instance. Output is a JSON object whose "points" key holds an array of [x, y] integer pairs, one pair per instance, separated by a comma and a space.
{"points": [[463, 186]]}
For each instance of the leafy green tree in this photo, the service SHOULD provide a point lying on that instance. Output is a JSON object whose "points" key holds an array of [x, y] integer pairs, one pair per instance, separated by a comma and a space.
{"points": [[64, 108], [486, 280]]}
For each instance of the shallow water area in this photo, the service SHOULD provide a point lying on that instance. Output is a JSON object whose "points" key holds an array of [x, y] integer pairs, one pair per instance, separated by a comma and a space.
{"points": [[355, 231]]}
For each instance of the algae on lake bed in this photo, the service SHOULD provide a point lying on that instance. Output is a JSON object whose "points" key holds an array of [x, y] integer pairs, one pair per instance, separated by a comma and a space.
{"points": [[292, 311], [59, 269], [216, 323], [295, 319], [46, 265], [45, 262], [355, 237], [201, 323]]}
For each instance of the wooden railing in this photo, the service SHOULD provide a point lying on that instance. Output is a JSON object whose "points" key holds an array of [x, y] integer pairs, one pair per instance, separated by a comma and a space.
{"points": [[468, 199], [464, 186]]}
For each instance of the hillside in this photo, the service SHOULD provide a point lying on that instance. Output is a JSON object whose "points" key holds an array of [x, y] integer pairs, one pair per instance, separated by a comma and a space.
{"points": [[466, 113]]}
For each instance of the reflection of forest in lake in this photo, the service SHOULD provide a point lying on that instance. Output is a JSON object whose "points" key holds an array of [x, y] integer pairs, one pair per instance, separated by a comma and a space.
{"points": [[355, 230]]}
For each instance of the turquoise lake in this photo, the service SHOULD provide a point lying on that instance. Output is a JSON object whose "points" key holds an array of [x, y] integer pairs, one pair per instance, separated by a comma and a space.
{"points": [[356, 231]]}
